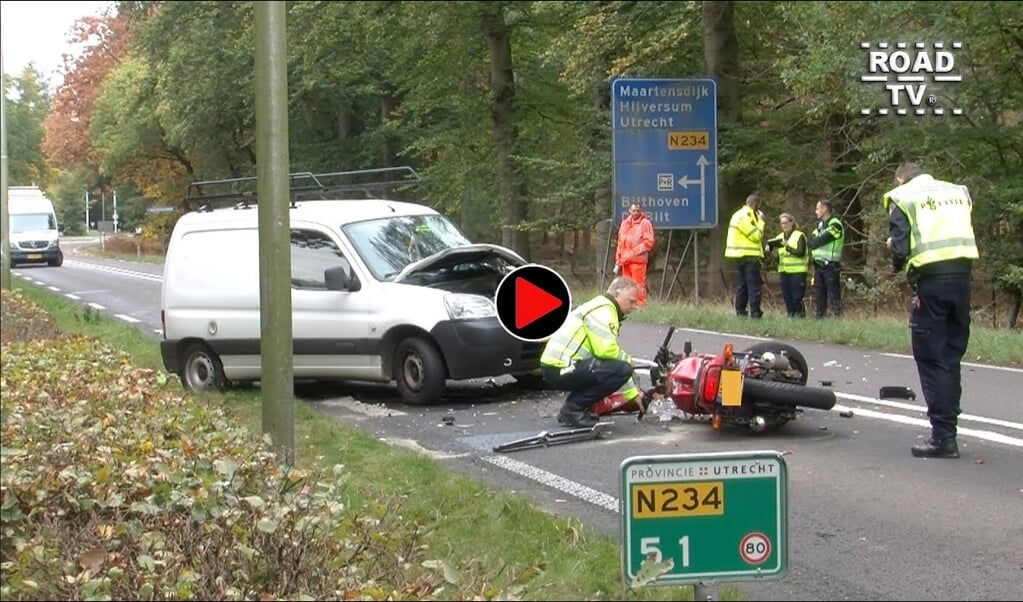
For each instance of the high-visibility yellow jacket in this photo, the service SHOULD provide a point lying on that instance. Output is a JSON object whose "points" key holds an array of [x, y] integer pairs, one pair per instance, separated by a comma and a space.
{"points": [[591, 330], [940, 217], [832, 231], [788, 261], [745, 234]]}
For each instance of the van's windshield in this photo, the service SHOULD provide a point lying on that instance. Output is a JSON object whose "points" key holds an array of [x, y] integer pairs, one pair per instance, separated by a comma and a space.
{"points": [[388, 245], [27, 222]]}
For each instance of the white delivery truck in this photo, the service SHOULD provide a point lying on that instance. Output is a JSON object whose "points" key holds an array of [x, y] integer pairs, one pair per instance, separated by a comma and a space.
{"points": [[35, 234], [381, 290]]}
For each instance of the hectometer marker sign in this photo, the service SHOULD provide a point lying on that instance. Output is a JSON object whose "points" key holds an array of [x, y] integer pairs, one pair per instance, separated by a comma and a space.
{"points": [[665, 150], [711, 517]]}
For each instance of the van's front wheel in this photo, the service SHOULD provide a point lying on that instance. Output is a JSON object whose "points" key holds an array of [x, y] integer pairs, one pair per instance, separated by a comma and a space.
{"points": [[419, 371], [201, 369]]}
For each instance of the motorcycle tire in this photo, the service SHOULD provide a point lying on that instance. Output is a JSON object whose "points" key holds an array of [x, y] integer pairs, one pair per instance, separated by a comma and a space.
{"points": [[795, 357], [786, 394]]}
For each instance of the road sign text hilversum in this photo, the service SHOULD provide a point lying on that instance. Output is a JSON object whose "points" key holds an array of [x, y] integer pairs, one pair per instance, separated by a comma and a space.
{"points": [[665, 150]]}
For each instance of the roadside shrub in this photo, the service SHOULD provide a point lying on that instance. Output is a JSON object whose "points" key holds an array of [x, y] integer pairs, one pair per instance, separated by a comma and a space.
{"points": [[128, 244], [115, 485], [23, 321]]}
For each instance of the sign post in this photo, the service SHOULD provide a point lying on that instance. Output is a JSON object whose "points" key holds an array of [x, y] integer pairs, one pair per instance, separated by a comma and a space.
{"points": [[698, 518], [665, 150]]}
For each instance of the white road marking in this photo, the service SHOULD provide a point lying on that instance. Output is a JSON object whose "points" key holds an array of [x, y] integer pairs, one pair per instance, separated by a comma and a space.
{"points": [[970, 364], [918, 408], [54, 289], [549, 479], [97, 306], [723, 334], [126, 318], [923, 423], [117, 271], [72, 296]]}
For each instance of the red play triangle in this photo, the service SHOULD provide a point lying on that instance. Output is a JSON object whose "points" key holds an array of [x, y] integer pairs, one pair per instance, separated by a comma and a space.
{"points": [[532, 302]]}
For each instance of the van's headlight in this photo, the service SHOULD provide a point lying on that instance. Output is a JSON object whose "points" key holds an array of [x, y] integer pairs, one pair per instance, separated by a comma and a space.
{"points": [[462, 306], [52, 244]]}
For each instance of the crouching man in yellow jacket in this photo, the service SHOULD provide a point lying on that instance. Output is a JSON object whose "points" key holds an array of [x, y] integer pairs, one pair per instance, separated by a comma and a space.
{"points": [[583, 356]]}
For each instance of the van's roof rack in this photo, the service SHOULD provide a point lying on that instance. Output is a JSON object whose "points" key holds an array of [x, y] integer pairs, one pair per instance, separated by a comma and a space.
{"points": [[303, 186]]}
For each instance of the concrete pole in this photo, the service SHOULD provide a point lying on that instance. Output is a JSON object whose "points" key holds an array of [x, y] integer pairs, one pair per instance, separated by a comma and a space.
{"points": [[273, 191]]}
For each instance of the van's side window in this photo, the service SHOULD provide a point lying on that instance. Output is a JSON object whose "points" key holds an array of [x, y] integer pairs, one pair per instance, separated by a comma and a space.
{"points": [[313, 252]]}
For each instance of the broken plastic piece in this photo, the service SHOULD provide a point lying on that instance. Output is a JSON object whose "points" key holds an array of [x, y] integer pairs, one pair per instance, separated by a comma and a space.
{"points": [[546, 439], [896, 392]]}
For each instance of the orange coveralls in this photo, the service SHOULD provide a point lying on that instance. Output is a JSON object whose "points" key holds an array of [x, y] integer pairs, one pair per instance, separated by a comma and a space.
{"points": [[635, 241]]}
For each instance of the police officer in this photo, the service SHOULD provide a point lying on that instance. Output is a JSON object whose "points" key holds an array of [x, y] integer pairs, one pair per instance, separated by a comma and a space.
{"points": [[583, 356], [930, 231], [826, 244], [793, 264], [744, 245]]}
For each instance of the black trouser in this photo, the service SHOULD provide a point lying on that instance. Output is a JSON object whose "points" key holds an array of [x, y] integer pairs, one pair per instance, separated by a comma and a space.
{"points": [[588, 381], [793, 288], [747, 287], [939, 323], [827, 287]]}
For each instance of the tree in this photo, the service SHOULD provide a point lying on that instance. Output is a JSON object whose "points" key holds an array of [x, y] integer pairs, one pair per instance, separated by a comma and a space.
{"points": [[27, 104]]}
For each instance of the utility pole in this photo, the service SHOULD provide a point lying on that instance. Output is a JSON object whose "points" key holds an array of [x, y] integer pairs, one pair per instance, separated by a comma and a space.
{"points": [[86, 210], [5, 229], [273, 189]]}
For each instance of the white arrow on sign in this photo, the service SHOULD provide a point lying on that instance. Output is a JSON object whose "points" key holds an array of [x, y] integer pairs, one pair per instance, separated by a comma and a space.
{"points": [[685, 182]]}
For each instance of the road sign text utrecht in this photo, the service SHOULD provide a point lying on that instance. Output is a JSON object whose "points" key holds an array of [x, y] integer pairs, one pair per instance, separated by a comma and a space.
{"points": [[704, 517], [665, 150]]}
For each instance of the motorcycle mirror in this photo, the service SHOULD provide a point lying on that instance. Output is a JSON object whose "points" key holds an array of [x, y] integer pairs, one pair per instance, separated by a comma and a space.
{"points": [[687, 347]]}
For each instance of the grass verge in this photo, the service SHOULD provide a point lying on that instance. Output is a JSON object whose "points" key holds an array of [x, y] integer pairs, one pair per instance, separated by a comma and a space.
{"points": [[487, 544]]}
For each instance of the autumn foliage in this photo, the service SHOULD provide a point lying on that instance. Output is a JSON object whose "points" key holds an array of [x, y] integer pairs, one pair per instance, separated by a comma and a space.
{"points": [[116, 486], [66, 141]]}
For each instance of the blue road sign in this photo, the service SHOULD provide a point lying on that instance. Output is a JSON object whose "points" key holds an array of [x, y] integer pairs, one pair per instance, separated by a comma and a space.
{"points": [[666, 150]]}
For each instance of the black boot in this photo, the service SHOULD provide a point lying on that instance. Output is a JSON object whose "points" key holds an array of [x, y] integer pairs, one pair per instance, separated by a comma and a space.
{"points": [[936, 448], [576, 418]]}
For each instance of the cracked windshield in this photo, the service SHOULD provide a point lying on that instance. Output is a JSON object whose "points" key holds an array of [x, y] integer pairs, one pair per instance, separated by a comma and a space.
{"points": [[389, 245]]}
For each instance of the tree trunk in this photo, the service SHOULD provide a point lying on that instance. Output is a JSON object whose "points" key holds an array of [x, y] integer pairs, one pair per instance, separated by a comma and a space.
{"points": [[505, 132], [389, 150], [721, 55], [1014, 309]]}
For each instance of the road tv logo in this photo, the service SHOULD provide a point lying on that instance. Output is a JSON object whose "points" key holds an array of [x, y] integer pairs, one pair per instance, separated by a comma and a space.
{"points": [[912, 75]]}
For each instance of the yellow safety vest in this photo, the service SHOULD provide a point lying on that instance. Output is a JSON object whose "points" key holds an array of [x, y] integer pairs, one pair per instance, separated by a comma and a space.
{"points": [[787, 262], [833, 250], [591, 330], [745, 233], [940, 220]]}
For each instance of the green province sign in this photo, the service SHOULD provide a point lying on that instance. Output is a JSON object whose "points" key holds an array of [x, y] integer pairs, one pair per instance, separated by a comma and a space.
{"points": [[693, 518]]}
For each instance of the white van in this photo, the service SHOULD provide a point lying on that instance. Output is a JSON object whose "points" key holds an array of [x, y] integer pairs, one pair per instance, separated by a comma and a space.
{"points": [[381, 290], [35, 234]]}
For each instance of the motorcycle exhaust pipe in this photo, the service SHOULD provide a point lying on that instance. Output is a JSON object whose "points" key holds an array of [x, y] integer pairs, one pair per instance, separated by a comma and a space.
{"points": [[758, 424]]}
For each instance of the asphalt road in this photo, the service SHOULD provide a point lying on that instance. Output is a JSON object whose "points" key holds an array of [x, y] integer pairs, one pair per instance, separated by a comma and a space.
{"points": [[866, 521]]}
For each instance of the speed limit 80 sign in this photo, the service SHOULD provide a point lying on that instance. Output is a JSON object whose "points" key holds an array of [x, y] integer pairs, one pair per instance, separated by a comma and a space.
{"points": [[691, 518]]}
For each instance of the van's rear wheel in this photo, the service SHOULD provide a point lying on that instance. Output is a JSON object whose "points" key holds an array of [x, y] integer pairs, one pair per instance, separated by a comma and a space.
{"points": [[201, 368], [419, 371]]}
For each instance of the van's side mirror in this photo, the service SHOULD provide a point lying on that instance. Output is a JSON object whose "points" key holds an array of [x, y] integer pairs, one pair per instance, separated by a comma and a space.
{"points": [[338, 279], [60, 229]]}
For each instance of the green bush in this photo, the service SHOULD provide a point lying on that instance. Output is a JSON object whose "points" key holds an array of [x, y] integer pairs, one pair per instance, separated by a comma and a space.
{"points": [[23, 321], [115, 485]]}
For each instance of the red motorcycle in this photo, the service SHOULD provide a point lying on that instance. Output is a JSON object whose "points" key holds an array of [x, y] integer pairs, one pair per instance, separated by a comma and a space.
{"points": [[761, 388]]}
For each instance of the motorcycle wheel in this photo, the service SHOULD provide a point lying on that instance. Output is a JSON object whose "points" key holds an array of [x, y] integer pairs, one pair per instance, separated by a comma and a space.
{"points": [[786, 394], [795, 357]]}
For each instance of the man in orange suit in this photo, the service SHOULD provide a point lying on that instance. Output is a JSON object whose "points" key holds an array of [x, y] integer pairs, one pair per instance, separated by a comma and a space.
{"points": [[635, 241]]}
